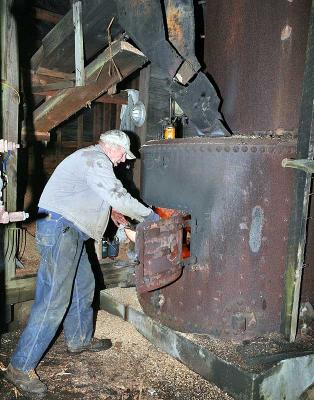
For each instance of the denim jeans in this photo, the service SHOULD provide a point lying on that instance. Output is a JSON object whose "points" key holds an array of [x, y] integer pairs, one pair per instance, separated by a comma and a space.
{"points": [[64, 292]]}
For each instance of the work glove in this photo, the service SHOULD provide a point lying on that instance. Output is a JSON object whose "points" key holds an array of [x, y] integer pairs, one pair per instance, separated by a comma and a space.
{"points": [[152, 217]]}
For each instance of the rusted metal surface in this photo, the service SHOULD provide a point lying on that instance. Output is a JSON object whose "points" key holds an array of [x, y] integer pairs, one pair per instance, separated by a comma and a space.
{"points": [[255, 51], [160, 252], [181, 29], [240, 200], [143, 21]]}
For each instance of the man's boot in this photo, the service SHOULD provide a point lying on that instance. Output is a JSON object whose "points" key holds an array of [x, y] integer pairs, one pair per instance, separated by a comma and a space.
{"points": [[26, 381], [94, 346]]}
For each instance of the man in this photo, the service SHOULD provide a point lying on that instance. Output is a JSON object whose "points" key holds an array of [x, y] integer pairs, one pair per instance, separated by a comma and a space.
{"points": [[76, 201]]}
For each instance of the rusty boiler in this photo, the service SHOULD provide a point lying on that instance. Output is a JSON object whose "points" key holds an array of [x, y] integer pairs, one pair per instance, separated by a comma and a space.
{"points": [[232, 192], [238, 199]]}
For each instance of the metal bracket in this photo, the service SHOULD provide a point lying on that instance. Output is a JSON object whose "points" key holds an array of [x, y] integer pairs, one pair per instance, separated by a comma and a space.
{"points": [[305, 165]]}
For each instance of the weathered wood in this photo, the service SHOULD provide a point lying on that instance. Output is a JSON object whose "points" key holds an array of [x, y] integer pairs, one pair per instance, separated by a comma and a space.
{"points": [[118, 110], [80, 131], [68, 101], [50, 87], [47, 16], [119, 98], [118, 273], [107, 117], [54, 73], [10, 110], [18, 290], [79, 43], [57, 50], [97, 121], [59, 145], [42, 136]]}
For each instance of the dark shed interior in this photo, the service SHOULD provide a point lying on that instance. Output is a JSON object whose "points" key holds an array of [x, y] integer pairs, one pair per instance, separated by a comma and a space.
{"points": [[216, 97]]}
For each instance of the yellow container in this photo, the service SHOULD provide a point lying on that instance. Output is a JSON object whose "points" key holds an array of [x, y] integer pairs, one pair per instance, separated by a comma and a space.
{"points": [[170, 132]]}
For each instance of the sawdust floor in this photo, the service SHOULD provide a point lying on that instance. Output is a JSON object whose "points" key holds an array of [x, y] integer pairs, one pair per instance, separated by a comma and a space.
{"points": [[133, 369]]}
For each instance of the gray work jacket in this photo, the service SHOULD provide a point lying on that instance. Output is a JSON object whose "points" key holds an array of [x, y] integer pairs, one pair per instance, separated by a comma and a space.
{"points": [[83, 187]]}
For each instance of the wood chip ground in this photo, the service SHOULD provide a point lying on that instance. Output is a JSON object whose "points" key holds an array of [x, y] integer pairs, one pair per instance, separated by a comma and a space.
{"points": [[133, 369]]}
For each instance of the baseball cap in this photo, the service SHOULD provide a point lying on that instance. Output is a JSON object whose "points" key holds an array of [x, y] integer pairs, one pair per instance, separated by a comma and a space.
{"points": [[120, 138]]}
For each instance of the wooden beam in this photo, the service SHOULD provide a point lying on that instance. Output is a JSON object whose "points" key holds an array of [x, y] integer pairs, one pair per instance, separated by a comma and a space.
{"points": [[54, 73], [57, 50], [79, 43], [22, 289], [43, 89], [47, 16], [57, 109], [119, 98], [42, 136]]}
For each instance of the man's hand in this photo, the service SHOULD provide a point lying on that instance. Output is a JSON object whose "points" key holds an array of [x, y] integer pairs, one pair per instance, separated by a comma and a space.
{"points": [[117, 218]]}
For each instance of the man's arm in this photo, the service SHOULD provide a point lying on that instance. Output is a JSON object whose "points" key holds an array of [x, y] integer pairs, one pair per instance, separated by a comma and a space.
{"points": [[102, 180]]}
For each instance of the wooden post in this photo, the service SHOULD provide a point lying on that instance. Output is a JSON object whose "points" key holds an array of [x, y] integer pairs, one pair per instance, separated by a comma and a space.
{"points": [[97, 121], [107, 117], [79, 44], [118, 111], [10, 106], [59, 146], [80, 130]]}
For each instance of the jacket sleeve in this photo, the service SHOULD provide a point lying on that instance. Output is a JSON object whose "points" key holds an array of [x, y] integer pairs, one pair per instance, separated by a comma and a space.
{"points": [[102, 180]]}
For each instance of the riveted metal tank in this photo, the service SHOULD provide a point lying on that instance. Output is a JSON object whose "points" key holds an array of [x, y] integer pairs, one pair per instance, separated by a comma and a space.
{"points": [[239, 198]]}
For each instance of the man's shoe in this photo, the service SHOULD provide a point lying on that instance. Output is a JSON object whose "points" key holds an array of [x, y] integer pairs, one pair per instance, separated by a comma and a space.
{"points": [[26, 381], [94, 346]]}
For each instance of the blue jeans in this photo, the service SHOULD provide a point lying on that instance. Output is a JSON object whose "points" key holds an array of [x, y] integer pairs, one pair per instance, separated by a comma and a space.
{"points": [[64, 292]]}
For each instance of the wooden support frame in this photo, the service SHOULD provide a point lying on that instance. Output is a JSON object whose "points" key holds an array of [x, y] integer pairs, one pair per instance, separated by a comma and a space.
{"points": [[68, 101], [47, 16], [54, 73], [79, 43], [10, 117], [97, 121], [119, 98], [59, 41], [51, 87], [15, 289]]}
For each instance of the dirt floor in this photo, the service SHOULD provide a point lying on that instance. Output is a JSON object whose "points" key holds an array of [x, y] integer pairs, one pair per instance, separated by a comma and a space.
{"points": [[133, 369]]}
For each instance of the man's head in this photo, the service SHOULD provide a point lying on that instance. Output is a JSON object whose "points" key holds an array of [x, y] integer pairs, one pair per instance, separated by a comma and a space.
{"points": [[116, 145]]}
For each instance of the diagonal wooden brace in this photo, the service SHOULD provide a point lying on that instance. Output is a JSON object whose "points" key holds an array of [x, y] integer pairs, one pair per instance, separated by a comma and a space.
{"points": [[68, 101]]}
